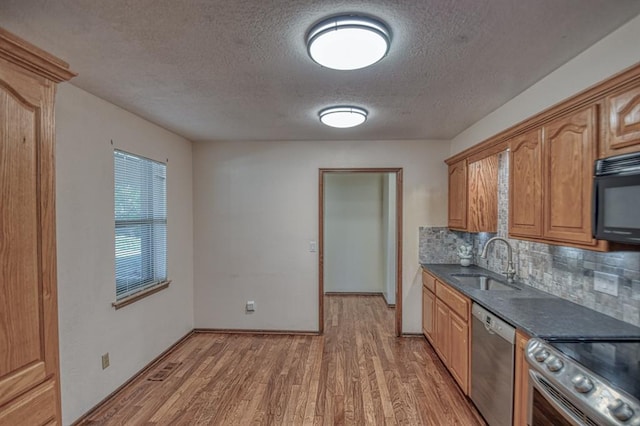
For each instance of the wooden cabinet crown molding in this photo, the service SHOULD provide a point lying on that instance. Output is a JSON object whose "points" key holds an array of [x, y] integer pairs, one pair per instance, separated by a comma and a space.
{"points": [[26, 55], [592, 95]]}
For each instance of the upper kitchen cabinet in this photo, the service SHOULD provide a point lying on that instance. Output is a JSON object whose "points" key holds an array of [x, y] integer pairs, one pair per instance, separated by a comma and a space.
{"points": [[569, 150], [525, 185], [622, 129], [458, 195], [473, 195], [482, 212]]}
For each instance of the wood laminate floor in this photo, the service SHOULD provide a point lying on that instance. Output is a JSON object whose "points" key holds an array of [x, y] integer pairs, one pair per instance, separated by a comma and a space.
{"points": [[357, 373]]}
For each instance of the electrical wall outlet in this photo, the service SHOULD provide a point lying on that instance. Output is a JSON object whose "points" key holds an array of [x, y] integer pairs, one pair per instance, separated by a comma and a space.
{"points": [[105, 360], [605, 283], [251, 306]]}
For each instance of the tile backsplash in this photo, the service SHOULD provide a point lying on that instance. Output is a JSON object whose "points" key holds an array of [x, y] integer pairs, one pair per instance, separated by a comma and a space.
{"points": [[562, 271]]}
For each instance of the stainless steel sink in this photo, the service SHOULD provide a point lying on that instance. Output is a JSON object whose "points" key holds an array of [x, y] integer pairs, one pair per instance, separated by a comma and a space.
{"points": [[483, 282]]}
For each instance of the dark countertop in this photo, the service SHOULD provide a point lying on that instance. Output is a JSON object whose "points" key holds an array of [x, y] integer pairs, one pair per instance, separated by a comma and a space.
{"points": [[538, 313]]}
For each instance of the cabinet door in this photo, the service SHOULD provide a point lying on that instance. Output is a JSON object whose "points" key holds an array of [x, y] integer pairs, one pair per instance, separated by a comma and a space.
{"points": [[428, 313], [521, 388], [569, 152], [482, 200], [525, 182], [458, 195], [29, 389], [459, 353], [623, 116], [442, 331]]}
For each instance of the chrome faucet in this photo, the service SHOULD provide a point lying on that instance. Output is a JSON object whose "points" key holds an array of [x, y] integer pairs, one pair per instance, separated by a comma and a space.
{"points": [[510, 272]]}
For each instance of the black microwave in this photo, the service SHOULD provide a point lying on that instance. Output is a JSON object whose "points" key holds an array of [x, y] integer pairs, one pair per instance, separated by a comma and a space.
{"points": [[616, 199]]}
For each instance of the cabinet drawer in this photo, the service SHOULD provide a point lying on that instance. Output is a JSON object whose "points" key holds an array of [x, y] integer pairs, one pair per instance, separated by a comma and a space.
{"points": [[428, 281], [457, 302]]}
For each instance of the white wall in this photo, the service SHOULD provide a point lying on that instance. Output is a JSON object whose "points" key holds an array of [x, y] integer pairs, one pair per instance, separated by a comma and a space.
{"points": [[614, 53], [353, 250], [89, 325], [389, 236], [256, 209]]}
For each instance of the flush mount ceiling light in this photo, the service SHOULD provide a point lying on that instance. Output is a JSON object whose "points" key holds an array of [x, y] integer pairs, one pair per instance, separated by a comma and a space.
{"points": [[348, 42], [343, 116]]}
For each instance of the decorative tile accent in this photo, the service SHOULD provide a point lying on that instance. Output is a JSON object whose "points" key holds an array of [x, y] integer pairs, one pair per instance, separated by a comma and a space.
{"points": [[562, 271]]}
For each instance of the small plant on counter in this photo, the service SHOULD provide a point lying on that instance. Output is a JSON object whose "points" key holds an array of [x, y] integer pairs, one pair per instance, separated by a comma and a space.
{"points": [[465, 255]]}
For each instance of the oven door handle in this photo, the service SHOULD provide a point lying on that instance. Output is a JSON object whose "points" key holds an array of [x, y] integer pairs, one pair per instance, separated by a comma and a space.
{"points": [[550, 398]]}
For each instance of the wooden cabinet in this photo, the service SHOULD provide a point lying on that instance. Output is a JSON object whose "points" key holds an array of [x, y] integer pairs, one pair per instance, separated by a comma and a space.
{"points": [[458, 195], [551, 181], [442, 331], [482, 198], [459, 350], [428, 313], [521, 386], [525, 185], [445, 323], [622, 115], [569, 148], [473, 195], [29, 372]]}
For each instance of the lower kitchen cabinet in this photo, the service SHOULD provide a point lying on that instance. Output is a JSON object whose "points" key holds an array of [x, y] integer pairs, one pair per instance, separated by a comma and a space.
{"points": [[428, 313], [442, 331], [445, 323], [459, 350], [521, 387]]}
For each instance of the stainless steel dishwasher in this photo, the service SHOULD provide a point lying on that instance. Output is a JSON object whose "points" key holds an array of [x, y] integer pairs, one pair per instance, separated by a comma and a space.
{"points": [[492, 359]]}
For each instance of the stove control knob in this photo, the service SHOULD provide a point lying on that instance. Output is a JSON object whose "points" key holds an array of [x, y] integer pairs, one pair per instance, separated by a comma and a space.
{"points": [[554, 364], [541, 355], [620, 410], [582, 383]]}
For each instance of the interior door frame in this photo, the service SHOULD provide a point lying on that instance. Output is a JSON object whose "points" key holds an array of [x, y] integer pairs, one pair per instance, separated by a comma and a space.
{"points": [[398, 173]]}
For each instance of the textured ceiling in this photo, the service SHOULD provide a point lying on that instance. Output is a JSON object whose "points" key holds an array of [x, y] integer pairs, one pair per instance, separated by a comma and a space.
{"points": [[238, 69]]}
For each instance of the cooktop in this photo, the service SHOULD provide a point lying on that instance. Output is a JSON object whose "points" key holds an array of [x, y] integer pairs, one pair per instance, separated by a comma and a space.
{"points": [[617, 361]]}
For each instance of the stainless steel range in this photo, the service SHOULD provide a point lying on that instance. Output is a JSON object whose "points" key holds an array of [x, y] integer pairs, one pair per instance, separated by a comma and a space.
{"points": [[584, 382]]}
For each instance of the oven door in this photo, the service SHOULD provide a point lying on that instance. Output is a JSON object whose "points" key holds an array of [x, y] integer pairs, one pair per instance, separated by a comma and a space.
{"points": [[548, 406], [616, 202]]}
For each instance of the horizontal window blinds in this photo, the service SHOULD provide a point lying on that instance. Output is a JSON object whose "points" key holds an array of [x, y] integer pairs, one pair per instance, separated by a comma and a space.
{"points": [[140, 223]]}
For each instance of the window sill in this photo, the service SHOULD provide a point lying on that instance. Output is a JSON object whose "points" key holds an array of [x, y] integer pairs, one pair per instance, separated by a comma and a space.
{"points": [[141, 294]]}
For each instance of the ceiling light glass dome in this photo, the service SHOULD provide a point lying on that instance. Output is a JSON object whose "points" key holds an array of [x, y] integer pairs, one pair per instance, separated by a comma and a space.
{"points": [[343, 116], [348, 42]]}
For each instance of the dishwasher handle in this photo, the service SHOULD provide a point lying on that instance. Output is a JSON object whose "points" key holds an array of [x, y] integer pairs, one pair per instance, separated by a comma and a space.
{"points": [[493, 324]]}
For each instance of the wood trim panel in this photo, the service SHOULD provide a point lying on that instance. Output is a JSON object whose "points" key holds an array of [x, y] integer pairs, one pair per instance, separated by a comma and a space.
{"points": [[256, 331], [15, 384], [35, 407], [585, 98], [141, 372], [399, 227], [521, 378], [32, 58], [458, 303], [119, 304]]}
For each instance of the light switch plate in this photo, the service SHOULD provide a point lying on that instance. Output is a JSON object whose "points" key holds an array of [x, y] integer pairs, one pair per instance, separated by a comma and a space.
{"points": [[105, 360], [313, 246], [605, 283], [251, 306]]}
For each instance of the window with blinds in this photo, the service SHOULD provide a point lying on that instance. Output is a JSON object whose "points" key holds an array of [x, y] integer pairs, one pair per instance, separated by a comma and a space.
{"points": [[140, 223]]}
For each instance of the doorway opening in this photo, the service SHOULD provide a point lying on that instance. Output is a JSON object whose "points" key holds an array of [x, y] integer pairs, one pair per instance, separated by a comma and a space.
{"points": [[372, 241]]}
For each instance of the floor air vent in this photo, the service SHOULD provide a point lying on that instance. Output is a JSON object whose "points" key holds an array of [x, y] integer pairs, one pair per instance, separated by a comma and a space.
{"points": [[164, 372]]}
